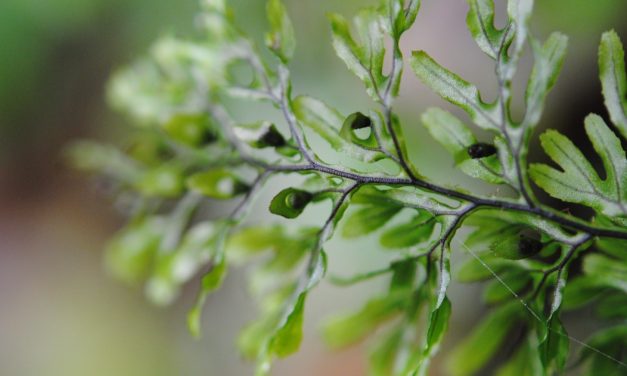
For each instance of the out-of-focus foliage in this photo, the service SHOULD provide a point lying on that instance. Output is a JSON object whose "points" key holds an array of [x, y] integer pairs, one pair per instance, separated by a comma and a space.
{"points": [[30, 30], [192, 148]]}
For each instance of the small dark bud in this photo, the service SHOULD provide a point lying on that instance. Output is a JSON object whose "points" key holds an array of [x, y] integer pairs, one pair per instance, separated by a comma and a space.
{"points": [[208, 137], [359, 121], [481, 150], [298, 199], [240, 187], [529, 243], [518, 243], [273, 138]]}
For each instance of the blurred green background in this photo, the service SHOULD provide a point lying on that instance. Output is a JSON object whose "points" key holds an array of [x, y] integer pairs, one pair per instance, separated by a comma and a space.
{"points": [[60, 314]]}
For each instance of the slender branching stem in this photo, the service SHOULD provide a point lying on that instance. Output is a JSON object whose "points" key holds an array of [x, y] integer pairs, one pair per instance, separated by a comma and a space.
{"points": [[503, 100], [281, 98], [559, 267]]}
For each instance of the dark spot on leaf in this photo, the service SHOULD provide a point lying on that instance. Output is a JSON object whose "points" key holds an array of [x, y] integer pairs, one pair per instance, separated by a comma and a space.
{"points": [[298, 199], [208, 137], [529, 243], [481, 150], [359, 121], [273, 138], [240, 187]]}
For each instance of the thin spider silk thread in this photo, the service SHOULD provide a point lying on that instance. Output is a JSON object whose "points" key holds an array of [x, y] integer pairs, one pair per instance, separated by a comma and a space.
{"points": [[533, 313]]}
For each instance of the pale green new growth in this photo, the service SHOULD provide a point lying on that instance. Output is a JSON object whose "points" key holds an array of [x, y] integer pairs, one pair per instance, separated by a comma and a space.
{"points": [[191, 149], [455, 90], [614, 79], [281, 39], [579, 182]]}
